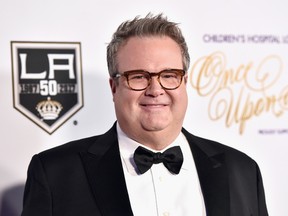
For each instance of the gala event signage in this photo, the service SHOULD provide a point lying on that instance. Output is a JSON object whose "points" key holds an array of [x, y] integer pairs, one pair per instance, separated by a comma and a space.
{"points": [[239, 90], [47, 81], [238, 94]]}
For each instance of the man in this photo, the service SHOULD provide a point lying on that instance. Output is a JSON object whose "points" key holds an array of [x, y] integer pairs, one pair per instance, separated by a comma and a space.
{"points": [[148, 61]]}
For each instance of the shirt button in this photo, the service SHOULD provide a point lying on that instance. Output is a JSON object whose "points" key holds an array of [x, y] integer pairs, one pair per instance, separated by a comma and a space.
{"points": [[161, 178]]}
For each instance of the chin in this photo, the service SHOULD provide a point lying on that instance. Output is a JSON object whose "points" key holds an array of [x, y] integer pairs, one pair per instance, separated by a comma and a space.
{"points": [[150, 126]]}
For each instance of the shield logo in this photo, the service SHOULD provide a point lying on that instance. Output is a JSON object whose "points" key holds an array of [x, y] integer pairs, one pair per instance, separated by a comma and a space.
{"points": [[47, 81]]}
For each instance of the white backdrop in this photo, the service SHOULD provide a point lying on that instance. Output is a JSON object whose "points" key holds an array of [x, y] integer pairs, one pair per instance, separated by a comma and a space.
{"points": [[248, 39]]}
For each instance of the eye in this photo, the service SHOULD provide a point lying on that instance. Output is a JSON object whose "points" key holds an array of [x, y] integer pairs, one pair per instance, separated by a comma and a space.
{"points": [[169, 75], [137, 76]]}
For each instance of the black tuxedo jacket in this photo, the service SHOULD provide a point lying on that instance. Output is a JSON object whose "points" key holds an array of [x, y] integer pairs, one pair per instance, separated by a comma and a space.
{"points": [[85, 178]]}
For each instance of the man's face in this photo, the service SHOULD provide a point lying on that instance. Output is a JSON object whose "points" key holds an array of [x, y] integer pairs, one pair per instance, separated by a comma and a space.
{"points": [[153, 109]]}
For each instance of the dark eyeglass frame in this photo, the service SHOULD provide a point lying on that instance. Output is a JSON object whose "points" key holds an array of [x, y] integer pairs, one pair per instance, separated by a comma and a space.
{"points": [[150, 75]]}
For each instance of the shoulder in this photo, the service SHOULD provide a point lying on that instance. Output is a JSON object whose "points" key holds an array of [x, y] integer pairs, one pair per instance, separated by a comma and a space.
{"points": [[80, 145], [71, 146], [211, 148], [64, 155], [69, 153]]}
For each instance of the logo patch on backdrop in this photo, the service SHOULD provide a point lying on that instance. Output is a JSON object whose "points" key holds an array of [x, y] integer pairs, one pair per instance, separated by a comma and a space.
{"points": [[47, 81]]}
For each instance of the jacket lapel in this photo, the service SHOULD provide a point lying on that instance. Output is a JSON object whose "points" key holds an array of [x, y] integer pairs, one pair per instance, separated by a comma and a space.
{"points": [[213, 176], [105, 174], [103, 166]]}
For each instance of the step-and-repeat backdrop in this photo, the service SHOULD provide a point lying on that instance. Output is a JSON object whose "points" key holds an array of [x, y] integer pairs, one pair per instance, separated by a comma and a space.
{"points": [[54, 81]]}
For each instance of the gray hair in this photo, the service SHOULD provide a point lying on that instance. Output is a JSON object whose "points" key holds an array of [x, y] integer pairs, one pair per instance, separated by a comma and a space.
{"points": [[148, 26]]}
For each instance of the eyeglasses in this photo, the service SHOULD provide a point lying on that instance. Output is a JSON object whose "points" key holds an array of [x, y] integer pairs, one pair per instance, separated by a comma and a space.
{"points": [[139, 80]]}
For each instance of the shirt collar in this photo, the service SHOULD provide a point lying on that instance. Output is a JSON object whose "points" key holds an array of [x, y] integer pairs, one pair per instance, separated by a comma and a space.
{"points": [[127, 147]]}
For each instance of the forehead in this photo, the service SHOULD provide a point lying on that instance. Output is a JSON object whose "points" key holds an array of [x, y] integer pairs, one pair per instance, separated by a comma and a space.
{"points": [[149, 53]]}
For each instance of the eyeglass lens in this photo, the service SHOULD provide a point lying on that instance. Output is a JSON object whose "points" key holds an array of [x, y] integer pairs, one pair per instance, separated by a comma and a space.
{"points": [[140, 80]]}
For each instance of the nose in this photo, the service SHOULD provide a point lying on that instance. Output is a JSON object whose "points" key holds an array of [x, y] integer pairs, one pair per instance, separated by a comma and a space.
{"points": [[154, 89]]}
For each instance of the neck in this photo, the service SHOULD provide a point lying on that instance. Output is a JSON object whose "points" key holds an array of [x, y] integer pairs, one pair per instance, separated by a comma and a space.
{"points": [[156, 140]]}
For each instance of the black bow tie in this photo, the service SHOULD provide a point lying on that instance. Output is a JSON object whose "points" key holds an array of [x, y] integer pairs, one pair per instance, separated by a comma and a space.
{"points": [[172, 159]]}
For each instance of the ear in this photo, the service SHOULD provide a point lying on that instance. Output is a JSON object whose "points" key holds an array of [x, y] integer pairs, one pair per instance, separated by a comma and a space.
{"points": [[113, 84], [185, 78]]}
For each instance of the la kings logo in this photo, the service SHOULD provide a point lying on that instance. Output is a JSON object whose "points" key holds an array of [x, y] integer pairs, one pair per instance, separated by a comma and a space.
{"points": [[47, 81]]}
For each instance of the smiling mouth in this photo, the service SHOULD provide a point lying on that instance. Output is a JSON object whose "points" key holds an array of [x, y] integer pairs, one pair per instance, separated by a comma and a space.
{"points": [[154, 105]]}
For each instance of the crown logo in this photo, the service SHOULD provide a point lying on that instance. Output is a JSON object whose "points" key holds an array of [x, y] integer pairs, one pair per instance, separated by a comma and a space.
{"points": [[49, 109]]}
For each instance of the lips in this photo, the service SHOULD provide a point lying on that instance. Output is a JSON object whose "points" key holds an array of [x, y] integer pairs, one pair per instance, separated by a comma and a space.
{"points": [[154, 104]]}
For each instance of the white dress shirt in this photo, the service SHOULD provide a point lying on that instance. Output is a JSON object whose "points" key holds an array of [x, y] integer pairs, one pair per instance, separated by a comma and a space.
{"points": [[157, 192]]}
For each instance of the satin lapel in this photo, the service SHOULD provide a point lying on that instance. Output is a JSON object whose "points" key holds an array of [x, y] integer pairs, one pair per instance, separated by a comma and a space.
{"points": [[213, 176], [105, 174]]}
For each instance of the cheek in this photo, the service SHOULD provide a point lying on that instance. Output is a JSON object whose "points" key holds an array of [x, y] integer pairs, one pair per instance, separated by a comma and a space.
{"points": [[124, 99], [180, 100]]}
